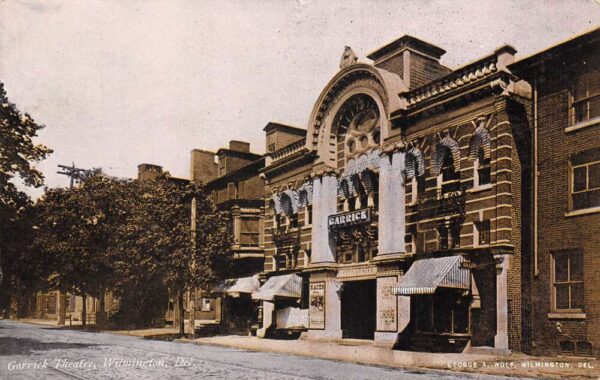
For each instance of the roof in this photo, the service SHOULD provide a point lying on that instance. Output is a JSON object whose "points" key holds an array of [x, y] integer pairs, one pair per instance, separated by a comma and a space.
{"points": [[252, 169], [426, 275], [407, 41], [237, 153], [525, 65], [273, 125]]}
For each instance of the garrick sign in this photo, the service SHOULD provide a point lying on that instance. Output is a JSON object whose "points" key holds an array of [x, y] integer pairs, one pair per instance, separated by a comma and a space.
{"points": [[350, 218]]}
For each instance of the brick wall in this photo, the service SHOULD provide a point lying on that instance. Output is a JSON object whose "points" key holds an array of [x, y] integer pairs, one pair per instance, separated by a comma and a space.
{"points": [[557, 231]]}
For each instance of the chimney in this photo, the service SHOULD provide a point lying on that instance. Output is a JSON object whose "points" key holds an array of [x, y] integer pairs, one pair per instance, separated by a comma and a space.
{"points": [[414, 60], [149, 171], [279, 135], [203, 167], [239, 146]]}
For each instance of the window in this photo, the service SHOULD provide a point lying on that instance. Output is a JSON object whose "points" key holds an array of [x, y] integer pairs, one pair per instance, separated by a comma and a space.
{"points": [[449, 179], [442, 237], [585, 180], [231, 190], [585, 97], [417, 186], [409, 243], [568, 280], [482, 174], [222, 167], [249, 234], [448, 235], [482, 233], [308, 215], [293, 220]]}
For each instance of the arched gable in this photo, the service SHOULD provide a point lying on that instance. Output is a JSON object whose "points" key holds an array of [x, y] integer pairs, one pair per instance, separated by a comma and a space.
{"points": [[379, 84]]}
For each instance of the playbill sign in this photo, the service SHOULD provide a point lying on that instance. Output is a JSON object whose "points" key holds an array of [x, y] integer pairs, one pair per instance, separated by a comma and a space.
{"points": [[387, 304], [316, 309], [350, 218]]}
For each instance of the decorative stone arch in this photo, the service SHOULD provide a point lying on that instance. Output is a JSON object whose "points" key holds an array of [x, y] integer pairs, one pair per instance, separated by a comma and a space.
{"points": [[381, 85]]}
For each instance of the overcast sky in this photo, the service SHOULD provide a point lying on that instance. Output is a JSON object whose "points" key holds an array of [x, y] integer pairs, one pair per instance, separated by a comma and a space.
{"points": [[123, 82]]}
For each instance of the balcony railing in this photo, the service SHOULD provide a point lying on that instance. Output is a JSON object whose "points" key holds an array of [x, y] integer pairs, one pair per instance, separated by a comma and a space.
{"points": [[442, 204], [285, 237]]}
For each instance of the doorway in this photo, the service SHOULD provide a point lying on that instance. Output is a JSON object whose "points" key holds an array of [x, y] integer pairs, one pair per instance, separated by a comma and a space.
{"points": [[359, 309]]}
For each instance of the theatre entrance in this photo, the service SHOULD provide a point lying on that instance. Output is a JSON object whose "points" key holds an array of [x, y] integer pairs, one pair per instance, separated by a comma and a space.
{"points": [[358, 309]]}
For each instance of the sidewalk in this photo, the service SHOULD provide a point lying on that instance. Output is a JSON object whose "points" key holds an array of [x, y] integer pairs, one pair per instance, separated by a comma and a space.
{"points": [[518, 365]]}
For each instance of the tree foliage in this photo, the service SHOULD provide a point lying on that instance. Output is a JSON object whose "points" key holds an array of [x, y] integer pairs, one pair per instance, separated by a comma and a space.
{"points": [[18, 153], [134, 239]]}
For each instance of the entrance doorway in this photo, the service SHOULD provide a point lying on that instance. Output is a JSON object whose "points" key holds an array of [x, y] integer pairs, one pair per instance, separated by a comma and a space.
{"points": [[359, 309]]}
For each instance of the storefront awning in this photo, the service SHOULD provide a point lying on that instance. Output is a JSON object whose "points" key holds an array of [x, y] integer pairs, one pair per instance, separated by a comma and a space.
{"points": [[236, 286], [289, 285], [426, 275]]}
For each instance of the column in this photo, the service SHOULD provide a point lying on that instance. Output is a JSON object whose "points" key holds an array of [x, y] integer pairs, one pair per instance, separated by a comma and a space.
{"points": [[329, 319], [392, 214], [501, 338], [268, 311], [324, 204]]}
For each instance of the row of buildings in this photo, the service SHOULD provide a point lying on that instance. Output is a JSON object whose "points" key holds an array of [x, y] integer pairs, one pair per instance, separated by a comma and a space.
{"points": [[422, 207], [425, 208]]}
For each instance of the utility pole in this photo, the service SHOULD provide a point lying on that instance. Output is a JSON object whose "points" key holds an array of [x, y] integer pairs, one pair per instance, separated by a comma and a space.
{"points": [[75, 174]]}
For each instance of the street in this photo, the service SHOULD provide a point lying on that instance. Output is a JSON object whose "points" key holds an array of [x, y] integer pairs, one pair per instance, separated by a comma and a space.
{"points": [[41, 352]]}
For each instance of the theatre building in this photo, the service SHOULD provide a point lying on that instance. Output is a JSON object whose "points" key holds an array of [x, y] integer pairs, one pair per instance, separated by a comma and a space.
{"points": [[566, 218], [402, 206]]}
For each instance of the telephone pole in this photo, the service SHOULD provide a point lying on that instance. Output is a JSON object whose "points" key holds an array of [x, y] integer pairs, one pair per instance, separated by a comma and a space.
{"points": [[75, 174]]}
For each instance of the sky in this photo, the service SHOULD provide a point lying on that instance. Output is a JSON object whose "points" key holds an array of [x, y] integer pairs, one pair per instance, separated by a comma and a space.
{"points": [[118, 83]]}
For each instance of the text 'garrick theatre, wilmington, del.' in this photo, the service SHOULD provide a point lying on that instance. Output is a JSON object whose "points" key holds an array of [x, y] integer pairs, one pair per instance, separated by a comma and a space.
{"points": [[397, 218]]}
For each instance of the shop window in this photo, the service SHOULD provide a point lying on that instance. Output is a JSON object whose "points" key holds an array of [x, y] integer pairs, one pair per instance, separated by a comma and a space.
{"points": [[585, 180], [249, 232], [448, 179], [482, 232], [482, 173], [568, 280], [585, 98]]}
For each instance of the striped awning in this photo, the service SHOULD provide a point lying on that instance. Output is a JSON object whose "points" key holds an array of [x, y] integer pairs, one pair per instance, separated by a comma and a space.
{"points": [[290, 202], [305, 194], [237, 286], [415, 163], [426, 275], [445, 146], [276, 199], [289, 286], [481, 140], [359, 174]]}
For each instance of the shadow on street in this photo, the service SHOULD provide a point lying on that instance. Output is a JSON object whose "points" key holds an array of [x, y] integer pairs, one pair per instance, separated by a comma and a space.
{"points": [[26, 346]]}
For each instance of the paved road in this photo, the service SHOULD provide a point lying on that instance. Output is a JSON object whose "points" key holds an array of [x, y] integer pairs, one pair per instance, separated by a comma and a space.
{"points": [[41, 352]]}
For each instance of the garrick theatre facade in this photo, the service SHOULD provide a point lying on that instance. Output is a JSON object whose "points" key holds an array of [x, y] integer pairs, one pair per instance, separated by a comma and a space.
{"points": [[400, 212]]}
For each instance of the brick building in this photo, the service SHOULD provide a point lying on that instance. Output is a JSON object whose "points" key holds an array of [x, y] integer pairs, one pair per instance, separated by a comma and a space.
{"points": [[232, 176], [400, 212], [565, 119], [288, 222]]}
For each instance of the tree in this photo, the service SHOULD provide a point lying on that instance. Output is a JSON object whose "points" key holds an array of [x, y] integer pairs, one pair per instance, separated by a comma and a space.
{"points": [[76, 228], [18, 153], [158, 238]]}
